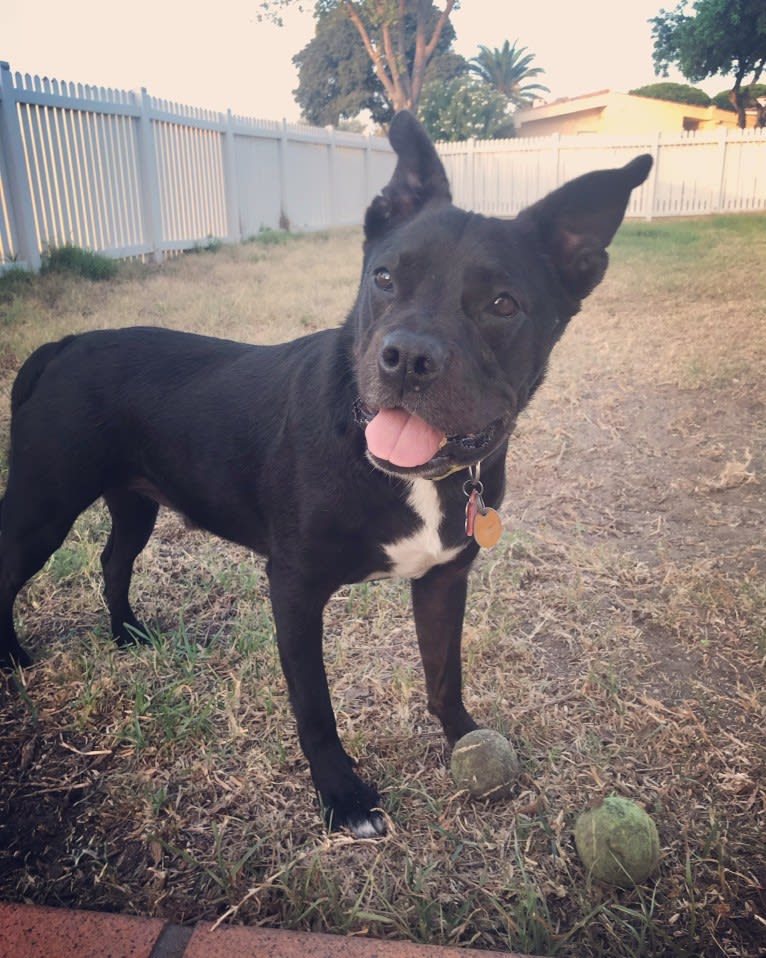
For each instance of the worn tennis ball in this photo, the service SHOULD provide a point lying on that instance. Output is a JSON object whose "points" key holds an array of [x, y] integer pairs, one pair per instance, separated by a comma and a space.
{"points": [[618, 842], [485, 763]]}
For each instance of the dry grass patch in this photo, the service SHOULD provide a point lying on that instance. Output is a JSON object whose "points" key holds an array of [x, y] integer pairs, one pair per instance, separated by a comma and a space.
{"points": [[617, 634]]}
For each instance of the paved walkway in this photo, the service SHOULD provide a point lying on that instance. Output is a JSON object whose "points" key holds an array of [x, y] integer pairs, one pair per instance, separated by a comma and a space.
{"points": [[29, 931]]}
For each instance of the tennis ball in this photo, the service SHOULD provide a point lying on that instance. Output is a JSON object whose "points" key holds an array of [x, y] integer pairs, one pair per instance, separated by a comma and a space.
{"points": [[484, 763], [618, 842]]}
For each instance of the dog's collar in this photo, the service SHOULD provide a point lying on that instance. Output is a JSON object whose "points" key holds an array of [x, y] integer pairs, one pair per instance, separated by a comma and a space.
{"points": [[450, 472]]}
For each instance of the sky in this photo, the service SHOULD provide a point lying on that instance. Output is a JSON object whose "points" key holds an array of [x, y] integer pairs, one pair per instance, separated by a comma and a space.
{"points": [[219, 56]]}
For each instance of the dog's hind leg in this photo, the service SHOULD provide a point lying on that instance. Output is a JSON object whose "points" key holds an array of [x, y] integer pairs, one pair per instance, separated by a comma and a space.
{"points": [[31, 533], [133, 518]]}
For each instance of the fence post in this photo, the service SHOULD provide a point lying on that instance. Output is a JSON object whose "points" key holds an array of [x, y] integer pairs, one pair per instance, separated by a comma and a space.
{"points": [[367, 166], [151, 210], [556, 164], [284, 218], [19, 194], [230, 185], [471, 147], [650, 189], [723, 136], [331, 164]]}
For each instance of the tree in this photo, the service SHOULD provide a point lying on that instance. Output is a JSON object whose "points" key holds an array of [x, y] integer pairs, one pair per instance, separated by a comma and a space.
{"points": [[507, 69], [463, 108], [381, 28], [674, 92], [721, 37], [754, 93], [337, 79]]}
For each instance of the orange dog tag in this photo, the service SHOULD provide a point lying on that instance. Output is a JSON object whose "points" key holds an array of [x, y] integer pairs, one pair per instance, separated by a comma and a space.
{"points": [[487, 528]]}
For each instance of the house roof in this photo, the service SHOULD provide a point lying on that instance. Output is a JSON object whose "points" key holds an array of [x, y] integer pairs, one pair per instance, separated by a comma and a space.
{"points": [[575, 104], [600, 99]]}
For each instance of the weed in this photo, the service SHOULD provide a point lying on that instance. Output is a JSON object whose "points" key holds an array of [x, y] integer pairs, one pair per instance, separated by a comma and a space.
{"points": [[271, 237], [80, 262], [13, 282]]}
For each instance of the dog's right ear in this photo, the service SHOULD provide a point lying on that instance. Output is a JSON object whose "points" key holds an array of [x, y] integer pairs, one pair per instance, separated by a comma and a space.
{"points": [[418, 179]]}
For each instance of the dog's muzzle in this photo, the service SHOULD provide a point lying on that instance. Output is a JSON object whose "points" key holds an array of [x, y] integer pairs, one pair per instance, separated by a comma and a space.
{"points": [[442, 454]]}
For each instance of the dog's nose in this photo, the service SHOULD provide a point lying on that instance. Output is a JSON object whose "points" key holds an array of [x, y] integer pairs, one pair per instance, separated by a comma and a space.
{"points": [[411, 360]]}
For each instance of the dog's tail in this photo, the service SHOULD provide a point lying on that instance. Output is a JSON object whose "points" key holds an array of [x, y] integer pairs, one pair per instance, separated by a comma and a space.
{"points": [[28, 377], [29, 374]]}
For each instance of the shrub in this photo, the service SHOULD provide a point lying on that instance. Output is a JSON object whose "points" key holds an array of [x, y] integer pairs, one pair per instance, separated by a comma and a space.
{"points": [[271, 237], [722, 101], [79, 262], [13, 282], [674, 92]]}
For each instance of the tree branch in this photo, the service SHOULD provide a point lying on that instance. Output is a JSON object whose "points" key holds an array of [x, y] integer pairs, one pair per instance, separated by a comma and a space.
{"points": [[443, 17], [372, 53], [401, 51], [399, 100]]}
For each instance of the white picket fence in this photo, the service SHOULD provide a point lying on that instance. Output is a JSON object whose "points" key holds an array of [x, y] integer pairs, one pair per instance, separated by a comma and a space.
{"points": [[722, 171], [130, 175]]}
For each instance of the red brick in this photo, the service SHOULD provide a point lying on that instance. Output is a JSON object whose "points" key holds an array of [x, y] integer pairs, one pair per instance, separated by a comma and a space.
{"points": [[238, 941], [29, 931]]}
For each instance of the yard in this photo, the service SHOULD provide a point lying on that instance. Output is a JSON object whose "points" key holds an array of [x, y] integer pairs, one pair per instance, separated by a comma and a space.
{"points": [[617, 635]]}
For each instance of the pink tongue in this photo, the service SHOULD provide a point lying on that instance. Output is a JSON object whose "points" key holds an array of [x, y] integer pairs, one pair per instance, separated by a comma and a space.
{"points": [[402, 438]]}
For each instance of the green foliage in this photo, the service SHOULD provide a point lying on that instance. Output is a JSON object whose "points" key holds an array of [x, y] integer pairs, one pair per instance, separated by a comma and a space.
{"points": [[723, 99], [508, 69], [78, 262], [673, 92], [270, 237], [336, 77], [465, 107], [721, 37], [14, 282], [211, 245]]}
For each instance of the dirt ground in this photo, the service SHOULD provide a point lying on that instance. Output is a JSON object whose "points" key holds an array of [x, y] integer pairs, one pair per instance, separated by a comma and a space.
{"points": [[617, 636]]}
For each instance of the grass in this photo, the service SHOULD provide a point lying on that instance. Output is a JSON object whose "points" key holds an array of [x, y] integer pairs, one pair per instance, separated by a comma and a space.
{"points": [[76, 261], [617, 634]]}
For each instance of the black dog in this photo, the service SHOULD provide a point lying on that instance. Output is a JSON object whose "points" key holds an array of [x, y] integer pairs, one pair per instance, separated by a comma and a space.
{"points": [[322, 454]]}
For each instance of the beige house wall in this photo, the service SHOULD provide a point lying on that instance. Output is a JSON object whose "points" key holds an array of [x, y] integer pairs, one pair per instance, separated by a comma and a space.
{"points": [[620, 113]]}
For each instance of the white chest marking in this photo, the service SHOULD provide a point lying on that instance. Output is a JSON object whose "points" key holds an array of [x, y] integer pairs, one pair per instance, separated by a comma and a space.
{"points": [[414, 556]]}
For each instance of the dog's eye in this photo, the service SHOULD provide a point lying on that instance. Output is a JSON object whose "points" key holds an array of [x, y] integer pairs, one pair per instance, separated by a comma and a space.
{"points": [[504, 305], [383, 279]]}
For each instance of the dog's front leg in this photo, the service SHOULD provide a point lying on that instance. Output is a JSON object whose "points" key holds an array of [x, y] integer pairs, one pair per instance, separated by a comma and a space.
{"points": [[346, 800], [438, 601]]}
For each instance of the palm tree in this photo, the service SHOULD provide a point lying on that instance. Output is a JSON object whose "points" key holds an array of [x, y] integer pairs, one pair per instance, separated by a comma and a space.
{"points": [[507, 69]]}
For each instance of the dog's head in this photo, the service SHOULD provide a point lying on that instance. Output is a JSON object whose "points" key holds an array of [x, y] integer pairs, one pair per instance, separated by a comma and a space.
{"points": [[457, 313]]}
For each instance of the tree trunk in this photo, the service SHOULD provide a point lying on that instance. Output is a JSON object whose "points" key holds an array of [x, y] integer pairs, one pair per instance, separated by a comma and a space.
{"points": [[738, 99], [402, 87]]}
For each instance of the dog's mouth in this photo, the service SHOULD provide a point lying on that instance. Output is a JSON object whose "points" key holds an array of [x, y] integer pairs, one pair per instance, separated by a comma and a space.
{"points": [[401, 443]]}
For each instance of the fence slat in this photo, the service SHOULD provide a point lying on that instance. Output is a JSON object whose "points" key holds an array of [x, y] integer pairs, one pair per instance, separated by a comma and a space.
{"points": [[21, 246]]}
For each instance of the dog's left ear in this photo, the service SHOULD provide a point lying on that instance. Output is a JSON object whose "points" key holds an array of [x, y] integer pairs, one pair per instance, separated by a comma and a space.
{"points": [[577, 222], [419, 178]]}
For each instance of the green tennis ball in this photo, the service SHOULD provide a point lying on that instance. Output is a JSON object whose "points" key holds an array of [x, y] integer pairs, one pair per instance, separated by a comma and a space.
{"points": [[618, 842], [485, 764]]}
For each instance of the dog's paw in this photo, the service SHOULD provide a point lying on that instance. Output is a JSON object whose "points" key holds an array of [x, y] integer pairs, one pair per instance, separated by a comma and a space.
{"points": [[14, 658], [355, 807], [373, 825], [130, 633]]}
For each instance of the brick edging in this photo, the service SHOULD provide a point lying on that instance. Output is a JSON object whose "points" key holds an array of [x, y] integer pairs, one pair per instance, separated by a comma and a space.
{"points": [[35, 931]]}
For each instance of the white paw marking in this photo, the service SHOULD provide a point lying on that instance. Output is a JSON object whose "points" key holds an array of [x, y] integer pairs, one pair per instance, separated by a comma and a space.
{"points": [[365, 829]]}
